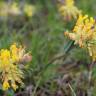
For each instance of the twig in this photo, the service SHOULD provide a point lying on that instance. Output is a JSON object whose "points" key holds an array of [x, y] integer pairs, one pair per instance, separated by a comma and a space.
{"points": [[74, 94]]}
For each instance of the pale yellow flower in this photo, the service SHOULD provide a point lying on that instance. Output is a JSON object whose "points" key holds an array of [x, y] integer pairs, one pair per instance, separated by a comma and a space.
{"points": [[5, 85], [14, 51], [9, 68], [84, 34], [29, 10], [7, 9], [83, 31], [14, 9], [68, 10]]}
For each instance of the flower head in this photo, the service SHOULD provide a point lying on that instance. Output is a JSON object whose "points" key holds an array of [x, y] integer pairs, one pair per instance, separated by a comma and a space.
{"points": [[9, 9], [84, 34], [29, 10], [14, 9], [68, 9], [9, 68], [83, 31]]}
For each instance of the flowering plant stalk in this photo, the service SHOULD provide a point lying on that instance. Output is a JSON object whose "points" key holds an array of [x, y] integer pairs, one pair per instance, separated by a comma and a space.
{"points": [[11, 74], [68, 9], [84, 34]]}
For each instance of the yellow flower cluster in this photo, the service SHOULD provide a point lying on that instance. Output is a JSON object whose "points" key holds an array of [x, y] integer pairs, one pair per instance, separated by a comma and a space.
{"points": [[84, 34], [9, 67], [15, 9], [29, 10], [9, 9], [68, 9]]}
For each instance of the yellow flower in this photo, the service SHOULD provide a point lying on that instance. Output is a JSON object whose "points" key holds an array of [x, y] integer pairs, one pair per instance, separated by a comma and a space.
{"points": [[5, 85], [68, 9], [10, 70], [14, 51], [5, 58], [69, 2], [84, 34], [5, 54], [83, 31], [9, 9], [29, 10], [17, 53], [14, 9]]}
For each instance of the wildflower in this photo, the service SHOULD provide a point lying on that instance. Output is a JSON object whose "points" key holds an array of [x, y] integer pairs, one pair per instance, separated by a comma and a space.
{"points": [[83, 31], [29, 10], [14, 9], [5, 54], [84, 34], [5, 85], [10, 70], [14, 52], [9, 9], [68, 9]]}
